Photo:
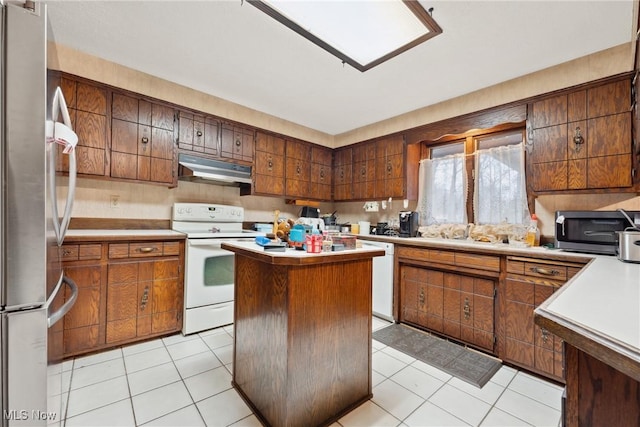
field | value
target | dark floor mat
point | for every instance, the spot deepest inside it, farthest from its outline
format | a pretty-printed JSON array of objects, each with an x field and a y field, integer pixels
[{"x": 468, "y": 365}]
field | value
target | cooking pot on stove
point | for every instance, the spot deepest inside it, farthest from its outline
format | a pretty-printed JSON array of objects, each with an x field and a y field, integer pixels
[{"x": 629, "y": 245}]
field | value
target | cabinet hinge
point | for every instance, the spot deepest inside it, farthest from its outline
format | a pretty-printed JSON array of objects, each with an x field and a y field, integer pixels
[{"x": 495, "y": 292}]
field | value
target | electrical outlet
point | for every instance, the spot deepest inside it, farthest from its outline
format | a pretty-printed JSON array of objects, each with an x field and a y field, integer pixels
[
  {"x": 114, "y": 201},
  {"x": 371, "y": 207}
]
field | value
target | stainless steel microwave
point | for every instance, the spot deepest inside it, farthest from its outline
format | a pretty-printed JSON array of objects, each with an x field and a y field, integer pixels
[{"x": 592, "y": 231}]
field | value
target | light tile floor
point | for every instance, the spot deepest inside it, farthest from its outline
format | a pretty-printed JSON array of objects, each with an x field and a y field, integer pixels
[{"x": 186, "y": 381}]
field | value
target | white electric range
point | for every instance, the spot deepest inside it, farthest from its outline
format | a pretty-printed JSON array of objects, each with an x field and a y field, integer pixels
[{"x": 209, "y": 269}]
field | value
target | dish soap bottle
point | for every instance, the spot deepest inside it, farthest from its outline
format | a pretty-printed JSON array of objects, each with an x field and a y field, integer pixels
[{"x": 533, "y": 233}]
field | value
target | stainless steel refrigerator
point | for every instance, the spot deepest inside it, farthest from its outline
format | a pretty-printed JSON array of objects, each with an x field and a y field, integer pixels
[{"x": 31, "y": 231}]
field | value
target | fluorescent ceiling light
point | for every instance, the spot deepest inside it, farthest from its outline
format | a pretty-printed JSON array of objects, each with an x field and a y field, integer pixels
[{"x": 362, "y": 33}]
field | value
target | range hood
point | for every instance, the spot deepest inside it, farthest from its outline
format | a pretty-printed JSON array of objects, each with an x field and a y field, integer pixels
[{"x": 201, "y": 169}]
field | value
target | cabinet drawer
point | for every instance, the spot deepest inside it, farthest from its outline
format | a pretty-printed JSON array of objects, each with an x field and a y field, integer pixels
[
  {"x": 413, "y": 253},
  {"x": 444, "y": 257},
  {"x": 458, "y": 259},
  {"x": 436, "y": 255},
  {"x": 81, "y": 252},
  {"x": 143, "y": 249},
  {"x": 547, "y": 271},
  {"x": 481, "y": 262},
  {"x": 539, "y": 270},
  {"x": 171, "y": 248},
  {"x": 119, "y": 250},
  {"x": 70, "y": 252}
]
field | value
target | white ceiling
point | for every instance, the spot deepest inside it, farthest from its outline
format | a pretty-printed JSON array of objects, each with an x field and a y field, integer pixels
[{"x": 235, "y": 52}]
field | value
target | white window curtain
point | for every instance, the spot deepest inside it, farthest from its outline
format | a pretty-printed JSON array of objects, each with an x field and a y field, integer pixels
[
  {"x": 442, "y": 190},
  {"x": 500, "y": 188}
]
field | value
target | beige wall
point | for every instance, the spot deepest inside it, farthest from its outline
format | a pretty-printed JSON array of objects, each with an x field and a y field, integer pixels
[
  {"x": 142, "y": 201},
  {"x": 148, "y": 201},
  {"x": 602, "y": 64}
]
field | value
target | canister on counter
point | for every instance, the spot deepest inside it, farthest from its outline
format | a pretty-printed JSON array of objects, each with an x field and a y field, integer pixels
[{"x": 355, "y": 228}]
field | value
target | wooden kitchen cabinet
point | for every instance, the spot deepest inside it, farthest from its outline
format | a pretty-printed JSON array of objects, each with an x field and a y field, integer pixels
[
  {"x": 198, "y": 133},
  {"x": 321, "y": 173},
  {"x": 582, "y": 139},
  {"x": 447, "y": 292},
  {"x": 128, "y": 291},
  {"x": 142, "y": 140},
  {"x": 87, "y": 105},
  {"x": 269, "y": 165},
  {"x": 528, "y": 283},
  {"x": 144, "y": 290},
  {"x": 237, "y": 143},
  {"x": 343, "y": 174},
  {"x": 364, "y": 171},
  {"x": 83, "y": 328},
  {"x": 389, "y": 168},
  {"x": 297, "y": 169}
]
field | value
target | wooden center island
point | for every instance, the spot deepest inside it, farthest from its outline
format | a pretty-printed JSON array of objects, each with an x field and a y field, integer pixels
[{"x": 302, "y": 341}]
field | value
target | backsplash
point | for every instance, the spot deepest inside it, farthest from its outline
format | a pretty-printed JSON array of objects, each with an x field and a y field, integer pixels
[{"x": 93, "y": 200}]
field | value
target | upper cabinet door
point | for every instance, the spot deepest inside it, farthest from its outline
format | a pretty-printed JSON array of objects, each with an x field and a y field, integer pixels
[
  {"x": 582, "y": 140},
  {"x": 269, "y": 165},
  {"x": 343, "y": 174},
  {"x": 236, "y": 143},
  {"x": 87, "y": 104},
  {"x": 321, "y": 172},
  {"x": 298, "y": 169},
  {"x": 142, "y": 140}
]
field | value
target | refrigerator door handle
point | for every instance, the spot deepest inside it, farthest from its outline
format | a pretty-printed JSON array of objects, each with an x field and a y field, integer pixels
[
  {"x": 71, "y": 191},
  {"x": 59, "y": 314},
  {"x": 63, "y": 134}
]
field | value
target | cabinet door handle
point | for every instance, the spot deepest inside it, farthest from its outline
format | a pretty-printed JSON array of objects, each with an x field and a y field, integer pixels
[
  {"x": 421, "y": 298},
  {"x": 66, "y": 252},
  {"x": 321, "y": 173},
  {"x": 238, "y": 143},
  {"x": 199, "y": 133},
  {"x": 363, "y": 171},
  {"x": 545, "y": 271},
  {"x": 467, "y": 309},
  {"x": 389, "y": 167},
  {"x": 145, "y": 140},
  {"x": 578, "y": 140},
  {"x": 270, "y": 164},
  {"x": 145, "y": 298},
  {"x": 147, "y": 250},
  {"x": 341, "y": 173},
  {"x": 545, "y": 335},
  {"x": 298, "y": 169}
]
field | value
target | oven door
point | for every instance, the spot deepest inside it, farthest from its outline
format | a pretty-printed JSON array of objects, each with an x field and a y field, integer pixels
[{"x": 209, "y": 272}]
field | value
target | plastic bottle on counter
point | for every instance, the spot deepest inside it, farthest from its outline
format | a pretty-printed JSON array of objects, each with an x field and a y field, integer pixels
[{"x": 533, "y": 233}]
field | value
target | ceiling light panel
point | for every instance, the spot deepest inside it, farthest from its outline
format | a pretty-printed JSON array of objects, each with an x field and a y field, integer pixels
[{"x": 363, "y": 33}]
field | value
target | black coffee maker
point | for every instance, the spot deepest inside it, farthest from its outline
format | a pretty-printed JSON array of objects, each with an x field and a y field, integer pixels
[{"x": 408, "y": 224}]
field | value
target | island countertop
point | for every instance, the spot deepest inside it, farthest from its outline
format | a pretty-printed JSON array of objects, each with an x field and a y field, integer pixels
[
  {"x": 297, "y": 257},
  {"x": 598, "y": 311}
]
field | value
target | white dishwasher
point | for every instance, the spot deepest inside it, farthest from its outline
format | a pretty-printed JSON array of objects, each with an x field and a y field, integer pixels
[{"x": 383, "y": 281}]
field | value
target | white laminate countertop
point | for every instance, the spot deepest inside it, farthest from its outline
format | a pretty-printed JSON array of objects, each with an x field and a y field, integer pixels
[
  {"x": 121, "y": 233},
  {"x": 601, "y": 303},
  {"x": 296, "y": 253}
]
